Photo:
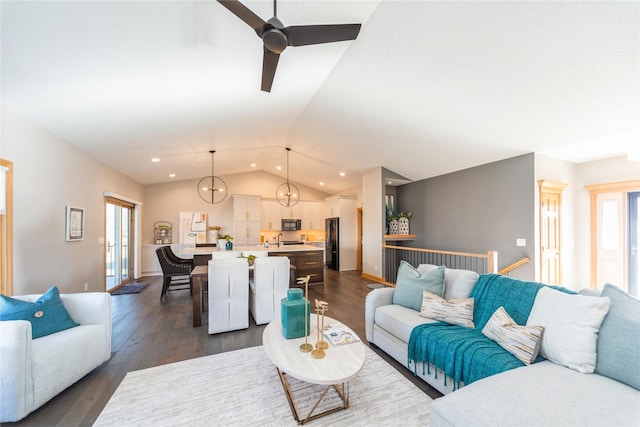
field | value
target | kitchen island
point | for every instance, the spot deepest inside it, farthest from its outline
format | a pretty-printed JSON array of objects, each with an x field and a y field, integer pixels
[{"x": 307, "y": 259}]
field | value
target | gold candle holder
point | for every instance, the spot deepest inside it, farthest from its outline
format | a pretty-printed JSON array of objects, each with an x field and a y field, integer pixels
[
  {"x": 306, "y": 347},
  {"x": 318, "y": 353},
  {"x": 322, "y": 344}
]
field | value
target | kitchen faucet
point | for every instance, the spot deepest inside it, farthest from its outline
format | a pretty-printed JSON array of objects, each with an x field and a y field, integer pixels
[{"x": 279, "y": 236}]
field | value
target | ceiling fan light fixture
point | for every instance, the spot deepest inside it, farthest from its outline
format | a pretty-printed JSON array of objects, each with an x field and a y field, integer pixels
[
  {"x": 212, "y": 189},
  {"x": 287, "y": 193}
]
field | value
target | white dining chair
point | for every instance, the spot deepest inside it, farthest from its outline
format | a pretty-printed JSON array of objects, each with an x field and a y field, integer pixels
[
  {"x": 268, "y": 287},
  {"x": 228, "y": 295}
]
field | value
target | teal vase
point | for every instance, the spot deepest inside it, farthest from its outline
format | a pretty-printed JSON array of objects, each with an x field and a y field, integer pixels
[
  {"x": 293, "y": 319},
  {"x": 229, "y": 246}
]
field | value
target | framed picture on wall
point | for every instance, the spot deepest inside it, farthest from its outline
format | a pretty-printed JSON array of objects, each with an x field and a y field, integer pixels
[{"x": 74, "y": 224}]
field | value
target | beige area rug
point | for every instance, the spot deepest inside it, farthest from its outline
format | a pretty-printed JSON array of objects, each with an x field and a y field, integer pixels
[{"x": 242, "y": 388}]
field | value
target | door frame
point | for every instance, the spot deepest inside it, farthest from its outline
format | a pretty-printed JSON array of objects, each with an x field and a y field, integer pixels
[
  {"x": 110, "y": 199},
  {"x": 613, "y": 187}
]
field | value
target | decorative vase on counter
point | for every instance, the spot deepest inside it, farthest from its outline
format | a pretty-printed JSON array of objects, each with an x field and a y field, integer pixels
[
  {"x": 222, "y": 244},
  {"x": 229, "y": 245},
  {"x": 393, "y": 226},
  {"x": 403, "y": 226}
]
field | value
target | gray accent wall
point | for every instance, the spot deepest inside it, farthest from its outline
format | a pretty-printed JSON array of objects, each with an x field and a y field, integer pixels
[{"x": 476, "y": 210}]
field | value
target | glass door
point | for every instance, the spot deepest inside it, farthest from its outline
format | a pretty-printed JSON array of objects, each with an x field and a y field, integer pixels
[{"x": 119, "y": 242}]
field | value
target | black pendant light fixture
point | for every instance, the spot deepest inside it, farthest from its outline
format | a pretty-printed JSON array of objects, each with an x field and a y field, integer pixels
[
  {"x": 212, "y": 189},
  {"x": 287, "y": 193}
]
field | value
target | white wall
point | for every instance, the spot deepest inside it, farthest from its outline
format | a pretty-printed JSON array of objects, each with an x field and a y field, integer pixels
[
  {"x": 372, "y": 222},
  {"x": 50, "y": 174}
]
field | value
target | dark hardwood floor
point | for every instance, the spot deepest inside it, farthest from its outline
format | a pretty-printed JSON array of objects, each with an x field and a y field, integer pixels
[{"x": 148, "y": 332}]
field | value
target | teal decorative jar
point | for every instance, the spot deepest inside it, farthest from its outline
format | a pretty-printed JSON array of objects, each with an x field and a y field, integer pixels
[{"x": 293, "y": 314}]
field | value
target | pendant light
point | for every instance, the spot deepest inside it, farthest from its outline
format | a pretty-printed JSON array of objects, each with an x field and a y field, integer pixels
[
  {"x": 287, "y": 193},
  {"x": 212, "y": 189}
]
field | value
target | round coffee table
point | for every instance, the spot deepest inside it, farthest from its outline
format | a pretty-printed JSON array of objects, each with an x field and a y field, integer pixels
[{"x": 340, "y": 364}]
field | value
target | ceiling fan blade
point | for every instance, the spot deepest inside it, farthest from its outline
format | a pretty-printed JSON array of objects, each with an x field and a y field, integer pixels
[
  {"x": 269, "y": 64},
  {"x": 315, "y": 34},
  {"x": 244, "y": 13}
]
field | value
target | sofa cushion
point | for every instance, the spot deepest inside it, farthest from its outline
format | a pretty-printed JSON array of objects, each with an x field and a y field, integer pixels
[
  {"x": 410, "y": 283},
  {"x": 619, "y": 338},
  {"x": 399, "y": 320},
  {"x": 571, "y": 324},
  {"x": 47, "y": 315},
  {"x": 456, "y": 311},
  {"x": 542, "y": 394},
  {"x": 521, "y": 341},
  {"x": 458, "y": 283}
]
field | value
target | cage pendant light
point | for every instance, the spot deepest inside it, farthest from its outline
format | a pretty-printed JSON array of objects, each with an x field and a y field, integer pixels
[
  {"x": 212, "y": 189},
  {"x": 287, "y": 193}
]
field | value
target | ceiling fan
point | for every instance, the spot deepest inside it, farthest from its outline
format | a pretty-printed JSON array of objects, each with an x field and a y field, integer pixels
[{"x": 276, "y": 37}]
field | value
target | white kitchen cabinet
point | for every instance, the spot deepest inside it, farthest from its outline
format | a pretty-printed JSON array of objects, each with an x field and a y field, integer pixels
[
  {"x": 246, "y": 207},
  {"x": 270, "y": 215},
  {"x": 246, "y": 220},
  {"x": 293, "y": 212},
  {"x": 312, "y": 215}
]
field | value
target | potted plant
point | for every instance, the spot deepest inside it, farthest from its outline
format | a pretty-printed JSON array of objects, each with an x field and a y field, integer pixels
[{"x": 214, "y": 233}]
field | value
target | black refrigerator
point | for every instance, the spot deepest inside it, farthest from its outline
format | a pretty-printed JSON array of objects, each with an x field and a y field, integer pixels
[{"x": 332, "y": 243}]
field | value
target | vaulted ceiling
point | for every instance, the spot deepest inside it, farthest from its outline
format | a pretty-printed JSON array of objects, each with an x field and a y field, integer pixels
[{"x": 427, "y": 88}]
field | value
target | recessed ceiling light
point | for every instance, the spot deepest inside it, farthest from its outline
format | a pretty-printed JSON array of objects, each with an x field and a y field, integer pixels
[
  {"x": 342, "y": 174},
  {"x": 390, "y": 182},
  {"x": 279, "y": 168},
  {"x": 253, "y": 165},
  {"x": 155, "y": 160},
  {"x": 321, "y": 183},
  {"x": 172, "y": 175}
]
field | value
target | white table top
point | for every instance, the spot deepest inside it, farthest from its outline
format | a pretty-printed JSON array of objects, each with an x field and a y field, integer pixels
[{"x": 339, "y": 364}]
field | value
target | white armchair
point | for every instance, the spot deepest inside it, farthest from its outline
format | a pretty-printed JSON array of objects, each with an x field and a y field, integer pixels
[
  {"x": 228, "y": 295},
  {"x": 32, "y": 371},
  {"x": 268, "y": 286}
]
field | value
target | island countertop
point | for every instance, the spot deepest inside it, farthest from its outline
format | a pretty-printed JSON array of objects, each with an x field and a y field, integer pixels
[{"x": 205, "y": 250}]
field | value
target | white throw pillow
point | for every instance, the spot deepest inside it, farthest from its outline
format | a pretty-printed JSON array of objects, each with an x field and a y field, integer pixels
[
  {"x": 521, "y": 341},
  {"x": 571, "y": 324},
  {"x": 457, "y": 312}
]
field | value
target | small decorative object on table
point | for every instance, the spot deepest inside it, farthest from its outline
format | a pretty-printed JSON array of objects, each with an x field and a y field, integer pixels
[
  {"x": 306, "y": 347},
  {"x": 321, "y": 345},
  {"x": 295, "y": 315}
]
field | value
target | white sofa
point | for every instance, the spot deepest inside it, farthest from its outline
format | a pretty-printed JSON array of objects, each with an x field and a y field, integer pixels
[
  {"x": 32, "y": 371},
  {"x": 542, "y": 393}
]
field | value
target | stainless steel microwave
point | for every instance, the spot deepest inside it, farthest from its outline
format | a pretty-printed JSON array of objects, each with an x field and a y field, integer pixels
[{"x": 291, "y": 224}]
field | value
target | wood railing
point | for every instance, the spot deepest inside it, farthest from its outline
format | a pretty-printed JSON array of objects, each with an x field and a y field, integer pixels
[
  {"x": 480, "y": 263},
  {"x": 508, "y": 269}
]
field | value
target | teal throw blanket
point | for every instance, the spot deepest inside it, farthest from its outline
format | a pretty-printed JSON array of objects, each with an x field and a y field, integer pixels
[{"x": 465, "y": 354}]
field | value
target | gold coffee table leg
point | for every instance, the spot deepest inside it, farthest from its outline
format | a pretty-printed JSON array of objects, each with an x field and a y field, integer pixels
[{"x": 341, "y": 389}]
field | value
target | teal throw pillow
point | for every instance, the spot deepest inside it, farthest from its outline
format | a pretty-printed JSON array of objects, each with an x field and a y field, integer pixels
[
  {"x": 618, "y": 350},
  {"x": 47, "y": 315},
  {"x": 410, "y": 283}
]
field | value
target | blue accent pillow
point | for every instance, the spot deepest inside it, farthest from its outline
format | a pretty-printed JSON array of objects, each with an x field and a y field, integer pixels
[
  {"x": 47, "y": 315},
  {"x": 618, "y": 350},
  {"x": 410, "y": 283}
]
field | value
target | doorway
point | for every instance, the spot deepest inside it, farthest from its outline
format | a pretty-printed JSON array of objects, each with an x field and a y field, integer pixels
[
  {"x": 119, "y": 243},
  {"x": 550, "y": 226}
]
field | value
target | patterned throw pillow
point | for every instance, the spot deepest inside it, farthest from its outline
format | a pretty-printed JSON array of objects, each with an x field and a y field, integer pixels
[
  {"x": 456, "y": 311},
  {"x": 521, "y": 341}
]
